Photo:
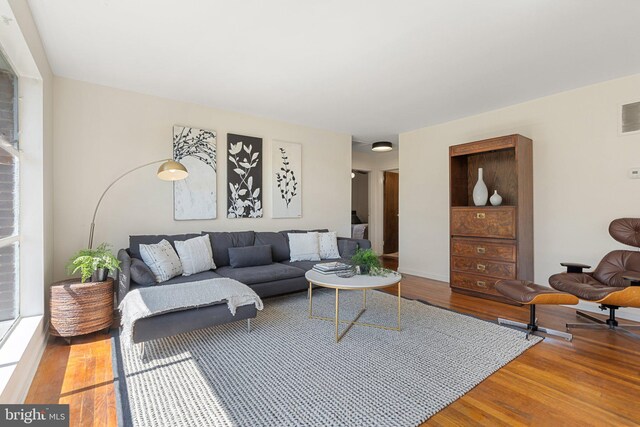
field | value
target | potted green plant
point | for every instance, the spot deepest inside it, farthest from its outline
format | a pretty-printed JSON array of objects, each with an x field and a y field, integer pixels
[
  {"x": 367, "y": 261},
  {"x": 94, "y": 264}
]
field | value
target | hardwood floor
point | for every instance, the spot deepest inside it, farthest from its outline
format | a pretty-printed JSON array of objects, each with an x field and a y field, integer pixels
[{"x": 594, "y": 380}]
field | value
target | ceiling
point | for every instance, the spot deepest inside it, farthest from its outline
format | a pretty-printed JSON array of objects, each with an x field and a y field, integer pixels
[{"x": 372, "y": 68}]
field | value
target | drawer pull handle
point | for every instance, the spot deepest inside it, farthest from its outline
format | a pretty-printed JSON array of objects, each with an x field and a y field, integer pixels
[
  {"x": 481, "y": 267},
  {"x": 480, "y": 250},
  {"x": 481, "y": 284},
  {"x": 480, "y": 215}
]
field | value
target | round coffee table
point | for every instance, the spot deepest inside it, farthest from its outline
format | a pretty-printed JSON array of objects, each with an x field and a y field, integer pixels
[{"x": 355, "y": 283}]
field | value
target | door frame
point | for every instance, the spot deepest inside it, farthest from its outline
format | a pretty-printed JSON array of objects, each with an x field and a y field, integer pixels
[{"x": 394, "y": 170}]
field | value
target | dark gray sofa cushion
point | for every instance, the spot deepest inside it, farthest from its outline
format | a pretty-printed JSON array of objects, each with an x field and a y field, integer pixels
[
  {"x": 347, "y": 248},
  {"x": 278, "y": 241},
  {"x": 204, "y": 275},
  {"x": 222, "y": 241},
  {"x": 250, "y": 256},
  {"x": 261, "y": 273},
  {"x": 141, "y": 273},
  {"x": 280, "y": 287},
  {"x": 136, "y": 241}
]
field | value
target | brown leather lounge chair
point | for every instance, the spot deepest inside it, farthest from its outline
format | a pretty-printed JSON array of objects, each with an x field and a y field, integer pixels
[{"x": 613, "y": 284}]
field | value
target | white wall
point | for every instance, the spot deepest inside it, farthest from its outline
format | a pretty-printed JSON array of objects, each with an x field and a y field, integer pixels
[
  {"x": 101, "y": 132},
  {"x": 580, "y": 177},
  {"x": 375, "y": 164}
]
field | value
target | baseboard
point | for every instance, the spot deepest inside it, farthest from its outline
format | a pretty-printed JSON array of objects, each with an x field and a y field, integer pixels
[
  {"x": 623, "y": 313},
  {"x": 424, "y": 274}
]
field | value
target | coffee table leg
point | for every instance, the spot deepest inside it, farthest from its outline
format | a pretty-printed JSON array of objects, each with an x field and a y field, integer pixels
[
  {"x": 310, "y": 300},
  {"x": 337, "y": 313},
  {"x": 399, "y": 300},
  {"x": 364, "y": 299}
]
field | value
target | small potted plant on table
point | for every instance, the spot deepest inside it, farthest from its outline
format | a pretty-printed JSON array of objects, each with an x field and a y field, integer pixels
[{"x": 368, "y": 262}]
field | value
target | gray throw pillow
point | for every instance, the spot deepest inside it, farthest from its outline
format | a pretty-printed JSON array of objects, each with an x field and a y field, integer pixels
[
  {"x": 250, "y": 256},
  {"x": 141, "y": 273}
]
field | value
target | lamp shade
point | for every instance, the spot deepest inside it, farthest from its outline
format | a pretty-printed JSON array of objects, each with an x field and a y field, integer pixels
[
  {"x": 382, "y": 146},
  {"x": 172, "y": 171}
]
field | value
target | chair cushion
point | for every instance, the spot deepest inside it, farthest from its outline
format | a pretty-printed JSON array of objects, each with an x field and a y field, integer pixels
[
  {"x": 222, "y": 241},
  {"x": 526, "y": 292},
  {"x": 581, "y": 285},
  {"x": 626, "y": 230},
  {"x": 195, "y": 255},
  {"x": 150, "y": 239},
  {"x": 261, "y": 273},
  {"x": 278, "y": 241},
  {"x": 250, "y": 256},
  {"x": 616, "y": 264}
]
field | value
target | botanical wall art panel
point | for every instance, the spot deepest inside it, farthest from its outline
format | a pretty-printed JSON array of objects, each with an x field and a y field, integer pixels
[
  {"x": 195, "y": 196},
  {"x": 244, "y": 176},
  {"x": 286, "y": 161}
]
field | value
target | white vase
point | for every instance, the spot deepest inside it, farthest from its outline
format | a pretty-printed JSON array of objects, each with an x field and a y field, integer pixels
[
  {"x": 480, "y": 191},
  {"x": 496, "y": 199}
]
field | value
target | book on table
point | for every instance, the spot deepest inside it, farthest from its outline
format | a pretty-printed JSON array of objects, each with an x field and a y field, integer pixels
[{"x": 331, "y": 267}]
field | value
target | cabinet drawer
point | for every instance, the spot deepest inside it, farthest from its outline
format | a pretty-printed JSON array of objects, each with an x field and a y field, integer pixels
[
  {"x": 501, "y": 270},
  {"x": 483, "y": 249},
  {"x": 474, "y": 283},
  {"x": 497, "y": 222}
]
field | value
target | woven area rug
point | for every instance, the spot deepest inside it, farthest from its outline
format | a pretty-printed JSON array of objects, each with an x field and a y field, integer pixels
[{"x": 289, "y": 371}]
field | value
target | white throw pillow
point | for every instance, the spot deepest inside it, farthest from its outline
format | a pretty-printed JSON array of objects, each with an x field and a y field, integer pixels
[
  {"x": 328, "y": 244},
  {"x": 195, "y": 254},
  {"x": 304, "y": 246},
  {"x": 162, "y": 260}
]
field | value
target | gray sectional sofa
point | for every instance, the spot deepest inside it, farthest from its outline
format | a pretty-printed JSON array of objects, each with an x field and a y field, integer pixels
[{"x": 279, "y": 277}]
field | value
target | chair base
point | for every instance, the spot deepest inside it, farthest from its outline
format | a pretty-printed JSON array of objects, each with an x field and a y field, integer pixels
[
  {"x": 610, "y": 323},
  {"x": 530, "y": 329}
]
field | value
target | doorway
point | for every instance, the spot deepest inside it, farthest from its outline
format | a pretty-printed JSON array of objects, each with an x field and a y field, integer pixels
[
  {"x": 390, "y": 213},
  {"x": 360, "y": 204}
]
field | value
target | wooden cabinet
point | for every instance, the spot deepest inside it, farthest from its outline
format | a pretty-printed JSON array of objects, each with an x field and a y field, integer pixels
[{"x": 491, "y": 243}]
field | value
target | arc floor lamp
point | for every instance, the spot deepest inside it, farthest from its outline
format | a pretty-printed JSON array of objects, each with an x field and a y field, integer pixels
[{"x": 169, "y": 170}]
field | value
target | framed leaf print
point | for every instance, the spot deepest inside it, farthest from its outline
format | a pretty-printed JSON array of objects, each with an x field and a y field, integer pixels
[
  {"x": 286, "y": 179},
  {"x": 244, "y": 176},
  {"x": 195, "y": 196}
]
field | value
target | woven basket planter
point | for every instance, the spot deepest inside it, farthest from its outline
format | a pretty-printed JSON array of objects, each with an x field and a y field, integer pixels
[{"x": 80, "y": 308}]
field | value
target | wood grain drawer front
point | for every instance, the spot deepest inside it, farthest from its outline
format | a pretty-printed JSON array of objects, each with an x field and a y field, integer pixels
[
  {"x": 474, "y": 283},
  {"x": 487, "y": 250},
  {"x": 502, "y": 270},
  {"x": 484, "y": 222}
]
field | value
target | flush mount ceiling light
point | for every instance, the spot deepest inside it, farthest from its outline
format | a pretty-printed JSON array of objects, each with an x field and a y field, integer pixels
[{"x": 382, "y": 146}]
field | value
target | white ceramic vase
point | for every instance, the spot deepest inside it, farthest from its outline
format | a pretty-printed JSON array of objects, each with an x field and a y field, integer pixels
[
  {"x": 480, "y": 191},
  {"x": 496, "y": 199}
]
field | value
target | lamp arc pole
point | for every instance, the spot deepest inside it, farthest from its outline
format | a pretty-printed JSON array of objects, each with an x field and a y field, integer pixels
[{"x": 95, "y": 211}]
